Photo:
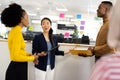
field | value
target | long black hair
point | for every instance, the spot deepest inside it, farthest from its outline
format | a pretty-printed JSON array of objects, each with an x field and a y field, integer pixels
[{"x": 50, "y": 31}]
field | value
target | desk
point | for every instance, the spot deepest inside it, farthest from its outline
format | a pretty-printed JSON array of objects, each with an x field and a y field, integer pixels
[
  {"x": 68, "y": 67},
  {"x": 73, "y": 67}
]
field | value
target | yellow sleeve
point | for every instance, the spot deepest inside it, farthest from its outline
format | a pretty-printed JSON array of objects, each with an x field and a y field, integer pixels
[{"x": 18, "y": 52}]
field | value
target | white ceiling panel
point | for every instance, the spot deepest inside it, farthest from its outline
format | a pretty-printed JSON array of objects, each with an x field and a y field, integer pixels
[{"x": 41, "y": 7}]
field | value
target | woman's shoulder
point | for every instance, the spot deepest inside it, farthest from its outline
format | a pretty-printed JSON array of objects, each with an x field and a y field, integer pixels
[
  {"x": 54, "y": 37},
  {"x": 38, "y": 35}
]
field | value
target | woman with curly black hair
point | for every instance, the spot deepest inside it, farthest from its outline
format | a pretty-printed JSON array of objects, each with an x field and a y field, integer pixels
[{"x": 16, "y": 18}]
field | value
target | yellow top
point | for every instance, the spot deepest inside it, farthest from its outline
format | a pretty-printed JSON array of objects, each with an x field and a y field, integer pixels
[{"x": 17, "y": 46}]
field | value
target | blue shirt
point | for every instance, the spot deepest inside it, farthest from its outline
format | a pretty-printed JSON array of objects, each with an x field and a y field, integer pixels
[{"x": 49, "y": 47}]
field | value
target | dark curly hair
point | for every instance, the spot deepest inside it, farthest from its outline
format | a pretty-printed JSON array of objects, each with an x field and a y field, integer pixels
[{"x": 11, "y": 16}]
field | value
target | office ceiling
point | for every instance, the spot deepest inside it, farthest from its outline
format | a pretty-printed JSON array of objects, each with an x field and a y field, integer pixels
[{"x": 45, "y": 7}]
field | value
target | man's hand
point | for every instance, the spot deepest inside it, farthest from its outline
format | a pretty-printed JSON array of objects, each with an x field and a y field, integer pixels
[{"x": 92, "y": 49}]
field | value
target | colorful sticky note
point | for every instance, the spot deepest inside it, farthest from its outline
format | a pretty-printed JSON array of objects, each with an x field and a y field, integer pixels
[
  {"x": 30, "y": 28},
  {"x": 81, "y": 27},
  {"x": 78, "y": 16},
  {"x": 61, "y": 15},
  {"x": 66, "y": 35},
  {"x": 82, "y": 22},
  {"x": 81, "y": 32}
]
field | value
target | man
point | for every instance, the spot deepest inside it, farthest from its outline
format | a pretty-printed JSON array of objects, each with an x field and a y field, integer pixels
[
  {"x": 101, "y": 48},
  {"x": 108, "y": 67}
]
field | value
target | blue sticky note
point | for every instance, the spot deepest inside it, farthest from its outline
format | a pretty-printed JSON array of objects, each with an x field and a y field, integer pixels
[{"x": 78, "y": 16}]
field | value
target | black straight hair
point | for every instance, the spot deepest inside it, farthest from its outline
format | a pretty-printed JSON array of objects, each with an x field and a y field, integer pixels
[{"x": 50, "y": 31}]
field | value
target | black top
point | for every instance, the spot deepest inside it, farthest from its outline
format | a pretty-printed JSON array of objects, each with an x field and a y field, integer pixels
[{"x": 39, "y": 44}]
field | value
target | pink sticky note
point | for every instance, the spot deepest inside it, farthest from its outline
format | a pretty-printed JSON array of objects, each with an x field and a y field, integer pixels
[
  {"x": 66, "y": 35},
  {"x": 61, "y": 15}
]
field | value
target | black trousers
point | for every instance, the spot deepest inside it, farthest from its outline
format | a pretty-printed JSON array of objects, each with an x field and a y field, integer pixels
[{"x": 16, "y": 71}]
